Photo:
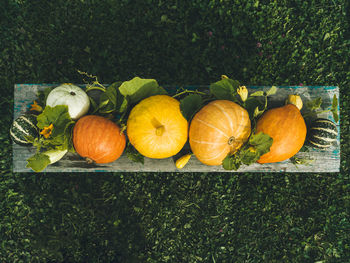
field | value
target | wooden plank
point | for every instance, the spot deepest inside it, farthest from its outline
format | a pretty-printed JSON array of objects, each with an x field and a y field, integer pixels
[{"x": 327, "y": 160}]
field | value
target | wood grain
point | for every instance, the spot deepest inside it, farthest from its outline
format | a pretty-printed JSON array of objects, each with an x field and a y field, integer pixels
[{"x": 327, "y": 160}]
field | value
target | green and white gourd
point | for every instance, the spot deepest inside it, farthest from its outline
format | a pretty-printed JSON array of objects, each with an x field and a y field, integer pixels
[
  {"x": 322, "y": 133},
  {"x": 24, "y": 130}
]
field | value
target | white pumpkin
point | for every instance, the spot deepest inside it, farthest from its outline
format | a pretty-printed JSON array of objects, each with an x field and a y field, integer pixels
[{"x": 75, "y": 98}]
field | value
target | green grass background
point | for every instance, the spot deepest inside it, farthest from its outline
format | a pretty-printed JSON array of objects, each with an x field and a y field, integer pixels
[{"x": 175, "y": 217}]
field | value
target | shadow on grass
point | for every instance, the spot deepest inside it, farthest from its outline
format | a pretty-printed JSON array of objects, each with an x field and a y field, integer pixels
[{"x": 81, "y": 217}]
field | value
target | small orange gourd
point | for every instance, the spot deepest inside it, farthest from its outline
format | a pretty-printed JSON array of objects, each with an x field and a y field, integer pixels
[
  {"x": 219, "y": 128},
  {"x": 98, "y": 139},
  {"x": 286, "y": 126}
]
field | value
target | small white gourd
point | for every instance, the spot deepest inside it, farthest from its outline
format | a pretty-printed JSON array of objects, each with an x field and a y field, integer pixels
[{"x": 75, "y": 98}]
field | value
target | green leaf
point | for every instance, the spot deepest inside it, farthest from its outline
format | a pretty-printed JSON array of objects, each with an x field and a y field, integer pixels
[
  {"x": 335, "y": 102},
  {"x": 314, "y": 104},
  {"x": 138, "y": 89},
  {"x": 94, "y": 106},
  {"x": 258, "y": 93},
  {"x": 251, "y": 104},
  {"x": 225, "y": 89},
  {"x": 261, "y": 142},
  {"x": 123, "y": 106},
  {"x": 133, "y": 154},
  {"x": 248, "y": 155},
  {"x": 38, "y": 162},
  {"x": 108, "y": 100},
  {"x": 190, "y": 105},
  {"x": 61, "y": 136},
  {"x": 68, "y": 144},
  {"x": 326, "y": 36},
  {"x": 231, "y": 162},
  {"x": 257, "y": 145},
  {"x": 58, "y": 116},
  {"x": 335, "y": 115},
  {"x": 271, "y": 91},
  {"x": 257, "y": 112}
]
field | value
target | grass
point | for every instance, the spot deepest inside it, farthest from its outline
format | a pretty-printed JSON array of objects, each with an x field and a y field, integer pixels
[{"x": 175, "y": 217}]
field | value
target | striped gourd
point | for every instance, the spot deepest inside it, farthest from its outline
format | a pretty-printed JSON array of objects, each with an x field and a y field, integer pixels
[
  {"x": 322, "y": 133},
  {"x": 24, "y": 129}
]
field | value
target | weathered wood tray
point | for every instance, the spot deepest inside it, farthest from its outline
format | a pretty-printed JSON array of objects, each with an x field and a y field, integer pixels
[{"x": 323, "y": 160}]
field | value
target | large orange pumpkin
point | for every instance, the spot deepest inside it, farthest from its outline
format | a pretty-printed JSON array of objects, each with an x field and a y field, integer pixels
[
  {"x": 98, "y": 139},
  {"x": 219, "y": 128},
  {"x": 156, "y": 127},
  {"x": 286, "y": 126}
]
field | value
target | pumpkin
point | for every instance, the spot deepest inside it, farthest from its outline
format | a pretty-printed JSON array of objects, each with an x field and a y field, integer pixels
[
  {"x": 286, "y": 126},
  {"x": 75, "y": 98},
  {"x": 98, "y": 139},
  {"x": 218, "y": 129},
  {"x": 322, "y": 133},
  {"x": 156, "y": 127},
  {"x": 24, "y": 130}
]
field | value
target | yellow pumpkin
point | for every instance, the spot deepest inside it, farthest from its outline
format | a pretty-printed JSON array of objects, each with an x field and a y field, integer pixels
[
  {"x": 286, "y": 126},
  {"x": 156, "y": 127},
  {"x": 219, "y": 128}
]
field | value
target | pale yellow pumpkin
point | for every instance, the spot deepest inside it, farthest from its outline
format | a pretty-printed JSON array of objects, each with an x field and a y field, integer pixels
[
  {"x": 219, "y": 128},
  {"x": 157, "y": 128}
]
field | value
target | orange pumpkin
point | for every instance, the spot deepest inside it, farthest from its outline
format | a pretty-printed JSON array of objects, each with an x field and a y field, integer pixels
[
  {"x": 98, "y": 139},
  {"x": 219, "y": 128},
  {"x": 286, "y": 126}
]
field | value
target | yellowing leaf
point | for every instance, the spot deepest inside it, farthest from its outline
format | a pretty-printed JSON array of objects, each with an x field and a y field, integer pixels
[
  {"x": 257, "y": 112},
  {"x": 271, "y": 91},
  {"x": 257, "y": 93}
]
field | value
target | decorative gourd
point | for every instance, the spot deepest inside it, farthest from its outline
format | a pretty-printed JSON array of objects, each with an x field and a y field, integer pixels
[
  {"x": 98, "y": 139},
  {"x": 219, "y": 128},
  {"x": 24, "y": 129},
  {"x": 156, "y": 127},
  {"x": 322, "y": 133},
  {"x": 182, "y": 161},
  {"x": 286, "y": 126},
  {"x": 75, "y": 98}
]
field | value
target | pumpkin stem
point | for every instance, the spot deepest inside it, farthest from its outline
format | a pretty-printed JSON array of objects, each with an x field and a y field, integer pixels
[
  {"x": 159, "y": 127},
  {"x": 160, "y": 130},
  {"x": 231, "y": 140},
  {"x": 72, "y": 93},
  {"x": 89, "y": 160}
]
